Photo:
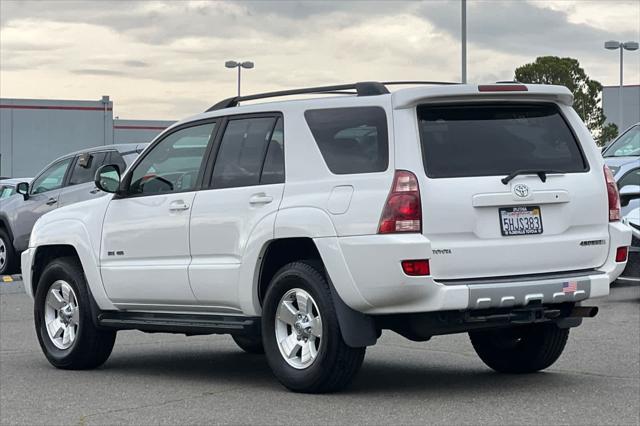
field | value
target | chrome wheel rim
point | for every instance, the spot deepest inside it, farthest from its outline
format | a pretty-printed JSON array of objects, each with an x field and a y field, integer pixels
[
  {"x": 298, "y": 328},
  {"x": 3, "y": 254},
  {"x": 61, "y": 314}
]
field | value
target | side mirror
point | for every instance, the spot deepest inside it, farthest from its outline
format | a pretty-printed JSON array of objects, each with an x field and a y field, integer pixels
[
  {"x": 628, "y": 193},
  {"x": 23, "y": 189},
  {"x": 108, "y": 178}
]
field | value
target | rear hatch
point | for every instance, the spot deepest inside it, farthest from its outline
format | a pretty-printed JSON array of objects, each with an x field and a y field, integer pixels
[{"x": 551, "y": 217}]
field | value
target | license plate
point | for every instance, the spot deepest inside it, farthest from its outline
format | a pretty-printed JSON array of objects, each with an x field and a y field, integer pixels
[{"x": 525, "y": 220}]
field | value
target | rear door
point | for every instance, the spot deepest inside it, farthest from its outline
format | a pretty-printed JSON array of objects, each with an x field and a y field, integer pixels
[
  {"x": 246, "y": 189},
  {"x": 483, "y": 225},
  {"x": 81, "y": 186}
]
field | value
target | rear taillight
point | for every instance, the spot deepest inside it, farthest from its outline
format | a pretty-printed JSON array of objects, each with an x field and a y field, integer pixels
[
  {"x": 402, "y": 211},
  {"x": 612, "y": 195}
]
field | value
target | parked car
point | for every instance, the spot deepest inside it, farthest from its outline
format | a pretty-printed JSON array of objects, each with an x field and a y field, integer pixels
[
  {"x": 623, "y": 158},
  {"x": 8, "y": 187},
  {"x": 304, "y": 228},
  {"x": 632, "y": 219},
  {"x": 67, "y": 180}
]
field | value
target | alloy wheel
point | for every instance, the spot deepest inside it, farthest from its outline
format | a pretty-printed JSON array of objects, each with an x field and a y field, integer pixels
[
  {"x": 298, "y": 328},
  {"x": 61, "y": 314}
]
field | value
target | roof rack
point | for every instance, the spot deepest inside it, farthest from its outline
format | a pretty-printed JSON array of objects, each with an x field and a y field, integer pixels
[{"x": 364, "y": 88}]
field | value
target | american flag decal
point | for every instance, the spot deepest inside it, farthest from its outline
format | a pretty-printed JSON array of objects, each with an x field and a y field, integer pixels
[{"x": 570, "y": 287}]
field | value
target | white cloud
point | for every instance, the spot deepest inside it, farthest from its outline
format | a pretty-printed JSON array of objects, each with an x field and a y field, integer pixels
[{"x": 165, "y": 59}]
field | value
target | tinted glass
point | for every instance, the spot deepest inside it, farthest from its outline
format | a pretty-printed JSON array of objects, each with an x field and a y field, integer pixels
[
  {"x": 242, "y": 152},
  {"x": 496, "y": 139},
  {"x": 6, "y": 191},
  {"x": 631, "y": 178},
  {"x": 273, "y": 169},
  {"x": 116, "y": 158},
  {"x": 627, "y": 145},
  {"x": 83, "y": 173},
  {"x": 174, "y": 163},
  {"x": 351, "y": 140},
  {"x": 52, "y": 178}
]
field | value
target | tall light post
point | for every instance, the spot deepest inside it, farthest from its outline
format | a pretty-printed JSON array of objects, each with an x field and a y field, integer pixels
[
  {"x": 463, "y": 27},
  {"x": 613, "y": 45},
  {"x": 239, "y": 65}
]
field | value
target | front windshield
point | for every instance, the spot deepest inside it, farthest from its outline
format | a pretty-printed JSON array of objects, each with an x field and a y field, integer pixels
[{"x": 627, "y": 145}]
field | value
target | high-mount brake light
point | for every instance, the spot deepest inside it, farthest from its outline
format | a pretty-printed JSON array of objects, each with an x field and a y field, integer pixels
[
  {"x": 612, "y": 195},
  {"x": 402, "y": 211},
  {"x": 502, "y": 88}
]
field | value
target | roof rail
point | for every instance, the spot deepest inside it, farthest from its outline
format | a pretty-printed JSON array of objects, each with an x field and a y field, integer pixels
[
  {"x": 408, "y": 82},
  {"x": 363, "y": 88}
]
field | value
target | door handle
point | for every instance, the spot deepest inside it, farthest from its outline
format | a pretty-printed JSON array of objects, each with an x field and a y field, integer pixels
[
  {"x": 51, "y": 201},
  {"x": 261, "y": 198},
  {"x": 178, "y": 206}
]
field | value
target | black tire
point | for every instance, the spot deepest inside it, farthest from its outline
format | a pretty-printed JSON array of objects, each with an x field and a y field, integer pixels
[
  {"x": 249, "y": 344},
  {"x": 9, "y": 261},
  {"x": 337, "y": 363},
  {"x": 520, "y": 350},
  {"x": 92, "y": 346}
]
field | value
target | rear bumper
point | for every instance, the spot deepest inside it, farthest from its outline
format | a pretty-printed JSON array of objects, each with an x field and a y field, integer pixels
[{"x": 366, "y": 272}]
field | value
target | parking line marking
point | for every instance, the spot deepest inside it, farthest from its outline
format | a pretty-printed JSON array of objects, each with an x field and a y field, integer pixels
[{"x": 7, "y": 279}]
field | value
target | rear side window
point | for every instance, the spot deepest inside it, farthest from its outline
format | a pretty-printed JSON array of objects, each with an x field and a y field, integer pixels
[
  {"x": 116, "y": 158},
  {"x": 496, "y": 139},
  {"x": 351, "y": 140},
  {"x": 242, "y": 152},
  {"x": 85, "y": 167}
]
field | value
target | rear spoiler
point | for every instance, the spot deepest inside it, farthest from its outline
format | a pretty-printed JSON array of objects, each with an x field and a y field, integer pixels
[{"x": 409, "y": 98}]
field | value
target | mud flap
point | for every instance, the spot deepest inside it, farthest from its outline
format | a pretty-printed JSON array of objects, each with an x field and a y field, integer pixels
[{"x": 358, "y": 330}]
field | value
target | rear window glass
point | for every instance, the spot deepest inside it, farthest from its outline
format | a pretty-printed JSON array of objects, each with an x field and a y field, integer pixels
[
  {"x": 351, "y": 140},
  {"x": 496, "y": 139}
]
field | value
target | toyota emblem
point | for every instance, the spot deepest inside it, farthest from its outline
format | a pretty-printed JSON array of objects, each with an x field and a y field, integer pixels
[{"x": 521, "y": 190}]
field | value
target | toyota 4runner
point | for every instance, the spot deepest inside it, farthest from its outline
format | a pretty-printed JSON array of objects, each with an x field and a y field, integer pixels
[{"x": 304, "y": 228}]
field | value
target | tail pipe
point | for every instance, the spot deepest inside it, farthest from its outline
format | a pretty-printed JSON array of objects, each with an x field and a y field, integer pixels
[{"x": 584, "y": 311}]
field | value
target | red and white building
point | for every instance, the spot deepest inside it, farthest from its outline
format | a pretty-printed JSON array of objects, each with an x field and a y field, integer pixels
[{"x": 34, "y": 132}]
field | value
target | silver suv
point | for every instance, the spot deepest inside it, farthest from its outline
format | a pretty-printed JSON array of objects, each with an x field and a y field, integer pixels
[{"x": 67, "y": 180}]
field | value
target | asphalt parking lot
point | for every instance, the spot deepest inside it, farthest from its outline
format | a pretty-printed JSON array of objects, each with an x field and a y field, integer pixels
[{"x": 172, "y": 379}]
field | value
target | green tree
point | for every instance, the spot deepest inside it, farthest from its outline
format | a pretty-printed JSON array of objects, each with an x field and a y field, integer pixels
[{"x": 587, "y": 93}]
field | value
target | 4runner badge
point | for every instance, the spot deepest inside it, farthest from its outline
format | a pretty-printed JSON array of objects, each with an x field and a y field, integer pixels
[{"x": 521, "y": 190}]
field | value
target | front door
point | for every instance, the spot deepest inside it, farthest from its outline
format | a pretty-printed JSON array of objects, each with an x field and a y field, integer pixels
[
  {"x": 44, "y": 193},
  {"x": 145, "y": 241}
]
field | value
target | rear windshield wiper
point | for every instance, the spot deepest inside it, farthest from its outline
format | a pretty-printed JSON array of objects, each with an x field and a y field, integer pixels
[{"x": 542, "y": 174}]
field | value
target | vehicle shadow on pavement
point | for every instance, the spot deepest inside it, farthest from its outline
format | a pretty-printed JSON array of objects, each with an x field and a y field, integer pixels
[{"x": 376, "y": 376}]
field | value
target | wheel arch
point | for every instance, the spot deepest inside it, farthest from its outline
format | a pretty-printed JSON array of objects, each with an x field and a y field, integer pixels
[{"x": 357, "y": 329}]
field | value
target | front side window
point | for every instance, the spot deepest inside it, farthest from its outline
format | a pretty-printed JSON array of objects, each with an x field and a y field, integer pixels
[
  {"x": 242, "y": 152},
  {"x": 627, "y": 145},
  {"x": 496, "y": 139},
  {"x": 351, "y": 140},
  {"x": 173, "y": 165},
  {"x": 52, "y": 178},
  {"x": 85, "y": 168}
]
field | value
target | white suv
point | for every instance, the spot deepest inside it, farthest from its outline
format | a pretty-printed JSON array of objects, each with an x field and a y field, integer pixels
[{"x": 304, "y": 228}]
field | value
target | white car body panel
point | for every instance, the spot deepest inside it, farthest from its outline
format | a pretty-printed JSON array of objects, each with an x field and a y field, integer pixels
[{"x": 208, "y": 258}]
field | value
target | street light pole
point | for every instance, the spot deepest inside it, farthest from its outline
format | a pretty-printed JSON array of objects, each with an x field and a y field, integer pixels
[
  {"x": 239, "y": 65},
  {"x": 613, "y": 45},
  {"x": 463, "y": 25}
]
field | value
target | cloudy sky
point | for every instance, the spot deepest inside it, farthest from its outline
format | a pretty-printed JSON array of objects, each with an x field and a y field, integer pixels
[{"x": 165, "y": 59}]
